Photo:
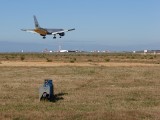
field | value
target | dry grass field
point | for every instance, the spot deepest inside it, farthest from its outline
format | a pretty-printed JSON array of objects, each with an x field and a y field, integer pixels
[{"x": 87, "y": 86}]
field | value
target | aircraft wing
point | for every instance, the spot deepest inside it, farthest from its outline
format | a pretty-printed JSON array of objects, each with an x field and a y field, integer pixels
[
  {"x": 29, "y": 30},
  {"x": 62, "y": 31}
]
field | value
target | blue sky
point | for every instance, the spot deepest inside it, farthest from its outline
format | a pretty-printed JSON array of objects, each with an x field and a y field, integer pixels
[{"x": 103, "y": 24}]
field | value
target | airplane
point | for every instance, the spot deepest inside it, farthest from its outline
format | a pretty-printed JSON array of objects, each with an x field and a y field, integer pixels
[{"x": 45, "y": 31}]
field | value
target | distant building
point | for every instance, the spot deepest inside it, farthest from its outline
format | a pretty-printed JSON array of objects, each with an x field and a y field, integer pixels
[
  {"x": 145, "y": 51},
  {"x": 63, "y": 51}
]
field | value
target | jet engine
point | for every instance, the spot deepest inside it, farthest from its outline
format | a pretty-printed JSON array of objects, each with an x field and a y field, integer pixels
[{"x": 62, "y": 34}]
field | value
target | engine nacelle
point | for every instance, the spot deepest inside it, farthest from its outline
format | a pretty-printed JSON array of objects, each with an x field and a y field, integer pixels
[
  {"x": 42, "y": 35},
  {"x": 62, "y": 34}
]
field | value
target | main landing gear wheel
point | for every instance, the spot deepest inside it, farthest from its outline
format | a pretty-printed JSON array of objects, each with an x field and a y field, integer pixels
[{"x": 44, "y": 37}]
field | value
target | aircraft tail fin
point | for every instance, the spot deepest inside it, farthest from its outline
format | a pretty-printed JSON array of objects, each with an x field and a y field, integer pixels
[{"x": 36, "y": 22}]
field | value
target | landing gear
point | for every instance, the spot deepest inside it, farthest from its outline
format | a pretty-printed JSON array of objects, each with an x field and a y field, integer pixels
[
  {"x": 54, "y": 37},
  {"x": 44, "y": 37}
]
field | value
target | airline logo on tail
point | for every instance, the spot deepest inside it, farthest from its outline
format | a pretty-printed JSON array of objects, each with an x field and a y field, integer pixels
[{"x": 36, "y": 22}]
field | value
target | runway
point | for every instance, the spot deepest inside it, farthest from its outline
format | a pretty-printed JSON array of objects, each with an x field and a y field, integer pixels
[{"x": 52, "y": 64}]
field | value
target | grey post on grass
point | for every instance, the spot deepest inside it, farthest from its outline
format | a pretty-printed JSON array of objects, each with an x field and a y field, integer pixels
[{"x": 46, "y": 91}]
